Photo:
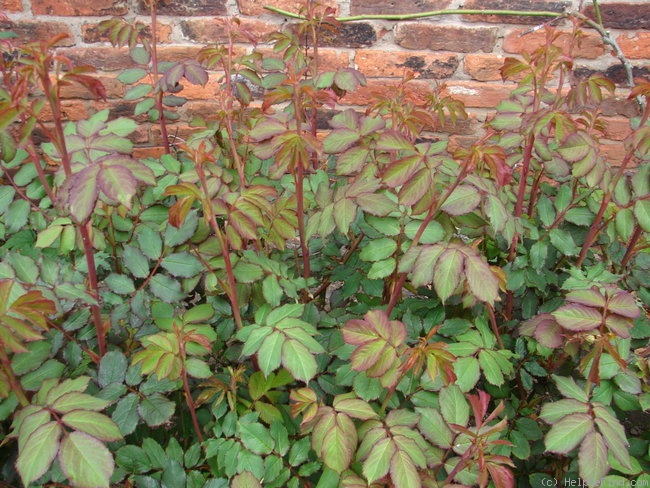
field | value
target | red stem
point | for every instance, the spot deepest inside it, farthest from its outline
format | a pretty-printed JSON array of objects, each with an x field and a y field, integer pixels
[{"x": 154, "y": 69}]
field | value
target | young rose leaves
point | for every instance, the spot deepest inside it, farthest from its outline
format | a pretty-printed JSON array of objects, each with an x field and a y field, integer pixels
[
  {"x": 379, "y": 344},
  {"x": 448, "y": 266},
  {"x": 76, "y": 438}
]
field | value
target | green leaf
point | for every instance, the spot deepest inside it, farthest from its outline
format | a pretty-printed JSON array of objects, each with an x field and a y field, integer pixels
[
  {"x": 578, "y": 317},
  {"x": 642, "y": 214},
  {"x": 554, "y": 411},
  {"x": 403, "y": 472},
  {"x": 126, "y": 414},
  {"x": 434, "y": 427},
  {"x": 130, "y": 76},
  {"x": 298, "y": 360},
  {"x": 377, "y": 463},
  {"x": 93, "y": 423},
  {"x": 482, "y": 282},
  {"x": 120, "y": 284},
  {"x": 256, "y": 438},
  {"x": 339, "y": 443},
  {"x": 135, "y": 261},
  {"x": 197, "y": 368},
  {"x": 85, "y": 460},
  {"x": 132, "y": 459},
  {"x": 150, "y": 242},
  {"x": 490, "y": 367},
  {"x": 245, "y": 480},
  {"x": 182, "y": 264},
  {"x": 156, "y": 410},
  {"x": 453, "y": 405},
  {"x": 48, "y": 236},
  {"x": 467, "y": 372},
  {"x": 463, "y": 200},
  {"x": 137, "y": 91},
  {"x": 272, "y": 290},
  {"x": 563, "y": 242},
  {"x": 269, "y": 355},
  {"x": 568, "y": 432},
  {"x": 447, "y": 273},
  {"x": 592, "y": 459},
  {"x": 38, "y": 452},
  {"x": 381, "y": 269},
  {"x": 624, "y": 222},
  {"x": 75, "y": 400},
  {"x": 378, "y": 249},
  {"x": 570, "y": 389},
  {"x": 166, "y": 288},
  {"x": 354, "y": 407}
]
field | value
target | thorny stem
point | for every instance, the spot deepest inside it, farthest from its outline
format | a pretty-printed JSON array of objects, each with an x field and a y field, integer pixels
[
  {"x": 52, "y": 94},
  {"x": 14, "y": 383},
  {"x": 433, "y": 212},
  {"x": 188, "y": 395},
  {"x": 629, "y": 252},
  {"x": 154, "y": 68},
  {"x": 225, "y": 249}
]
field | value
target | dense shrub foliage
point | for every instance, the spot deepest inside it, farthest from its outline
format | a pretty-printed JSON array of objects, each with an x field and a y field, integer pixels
[{"x": 270, "y": 304}]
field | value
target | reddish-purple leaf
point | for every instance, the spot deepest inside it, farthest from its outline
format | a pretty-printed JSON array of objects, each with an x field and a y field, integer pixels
[
  {"x": 501, "y": 475},
  {"x": 482, "y": 282},
  {"x": 578, "y": 317},
  {"x": 117, "y": 183},
  {"x": 357, "y": 332},
  {"x": 416, "y": 187},
  {"x": 619, "y": 325},
  {"x": 368, "y": 355},
  {"x": 401, "y": 171},
  {"x": 352, "y": 160},
  {"x": 81, "y": 192},
  {"x": 568, "y": 432},
  {"x": 425, "y": 264},
  {"x": 622, "y": 303},
  {"x": 393, "y": 141},
  {"x": 195, "y": 73}
]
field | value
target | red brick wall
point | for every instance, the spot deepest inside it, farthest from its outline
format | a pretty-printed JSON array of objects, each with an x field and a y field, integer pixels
[{"x": 465, "y": 52}]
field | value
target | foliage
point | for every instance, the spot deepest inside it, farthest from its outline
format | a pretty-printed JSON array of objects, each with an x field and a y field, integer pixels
[{"x": 270, "y": 304}]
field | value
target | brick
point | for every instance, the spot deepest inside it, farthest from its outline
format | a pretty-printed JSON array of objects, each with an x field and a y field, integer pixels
[
  {"x": 617, "y": 128},
  {"x": 377, "y": 90},
  {"x": 622, "y": 15},
  {"x": 350, "y": 35},
  {"x": 521, "y": 5},
  {"x": 521, "y": 41},
  {"x": 144, "y": 152},
  {"x": 445, "y": 38},
  {"x": 635, "y": 46},
  {"x": 11, "y": 6},
  {"x": 70, "y": 110},
  {"x": 256, "y": 7},
  {"x": 478, "y": 95},
  {"x": 30, "y": 30},
  {"x": 399, "y": 7},
  {"x": 114, "y": 88},
  {"x": 101, "y": 58},
  {"x": 185, "y": 7},
  {"x": 615, "y": 73},
  {"x": 614, "y": 153},
  {"x": 329, "y": 59},
  {"x": 79, "y": 7},
  {"x": 457, "y": 142},
  {"x": 90, "y": 33},
  {"x": 216, "y": 30},
  {"x": 483, "y": 67},
  {"x": 394, "y": 64}
]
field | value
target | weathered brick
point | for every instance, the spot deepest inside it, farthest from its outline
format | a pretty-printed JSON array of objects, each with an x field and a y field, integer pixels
[
  {"x": 622, "y": 15},
  {"x": 617, "y": 128},
  {"x": 419, "y": 89},
  {"x": 79, "y": 7},
  {"x": 256, "y": 7},
  {"x": 398, "y": 7},
  {"x": 393, "y": 64},
  {"x": 101, "y": 58},
  {"x": 615, "y": 73},
  {"x": 90, "y": 33},
  {"x": 483, "y": 67},
  {"x": 352, "y": 35},
  {"x": 445, "y": 38},
  {"x": 70, "y": 110},
  {"x": 185, "y": 7},
  {"x": 614, "y": 153},
  {"x": 30, "y": 30},
  {"x": 523, "y": 41},
  {"x": 478, "y": 95},
  {"x": 144, "y": 152},
  {"x": 521, "y": 5},
  {"x": 216, "y": 30},
  {"x": 114, "y": 88},
  {"x": 11, "y": 6},
  {"x": 635, "y": 45}
]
